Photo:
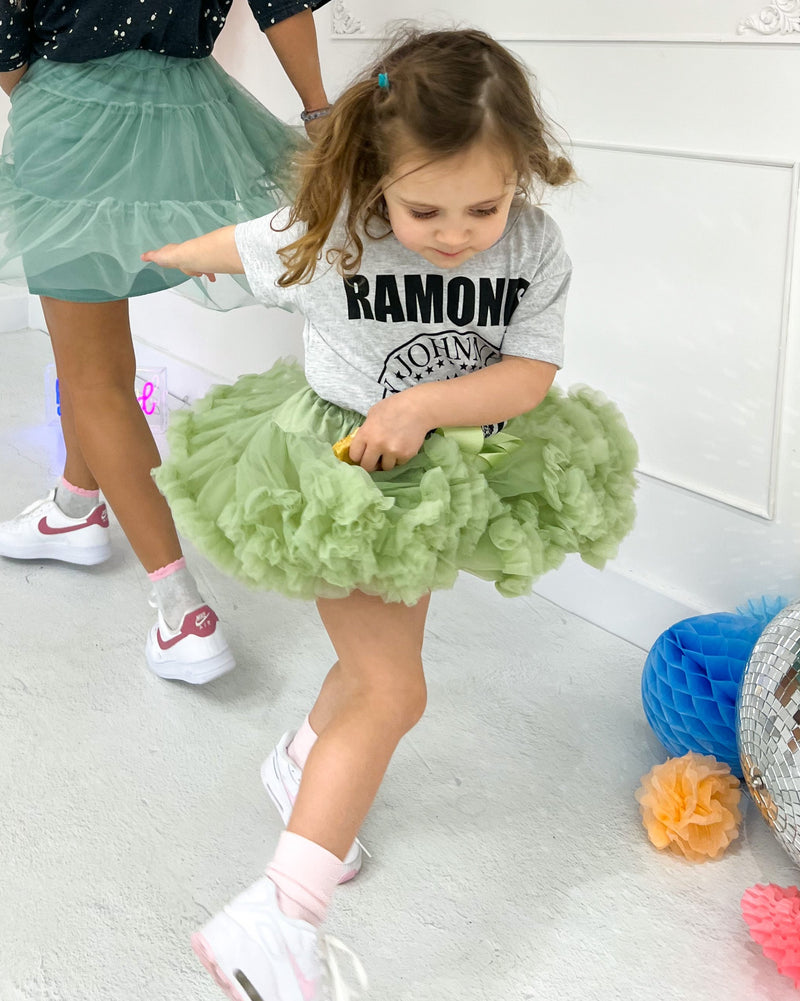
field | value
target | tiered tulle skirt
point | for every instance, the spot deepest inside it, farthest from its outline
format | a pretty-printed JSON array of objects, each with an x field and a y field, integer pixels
[
  {"x": 106, "y": 159},
  {"x": 253, "y": 482}
]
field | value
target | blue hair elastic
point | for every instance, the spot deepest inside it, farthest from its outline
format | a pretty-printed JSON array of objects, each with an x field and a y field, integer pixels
[{"x": 383, "y": 81}]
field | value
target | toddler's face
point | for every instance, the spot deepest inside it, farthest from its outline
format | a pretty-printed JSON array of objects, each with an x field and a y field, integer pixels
[{"x": 450, "y": 210}]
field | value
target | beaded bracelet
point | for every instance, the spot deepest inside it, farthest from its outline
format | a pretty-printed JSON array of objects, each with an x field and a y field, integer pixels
[{"x": 312, "y": 116}]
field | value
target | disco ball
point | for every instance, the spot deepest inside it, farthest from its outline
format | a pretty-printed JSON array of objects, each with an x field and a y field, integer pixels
[{"x": 768, "y": 726}]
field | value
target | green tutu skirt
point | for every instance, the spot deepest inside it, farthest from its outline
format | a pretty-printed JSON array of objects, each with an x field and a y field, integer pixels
[
  {"x": 253, "y": 482},
  {"x": 106, "y": 159}
]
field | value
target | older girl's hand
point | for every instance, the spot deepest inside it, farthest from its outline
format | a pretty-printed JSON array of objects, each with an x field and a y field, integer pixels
[
  {"x": 392, "y": 433},
  {"x": 10, "y": 79}
]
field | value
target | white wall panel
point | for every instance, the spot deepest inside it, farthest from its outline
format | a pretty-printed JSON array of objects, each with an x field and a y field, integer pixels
[
  {"x": 678, "y": 309},
  {"x": 736, "y": 100}
]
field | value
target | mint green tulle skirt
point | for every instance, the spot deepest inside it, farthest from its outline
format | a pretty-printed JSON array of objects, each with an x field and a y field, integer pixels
[
  {"x": 253, "y": 482},
  {"x": 106, "y": 159}
]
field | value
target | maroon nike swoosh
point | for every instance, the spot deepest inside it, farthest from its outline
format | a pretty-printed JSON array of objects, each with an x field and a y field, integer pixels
[
  {"x": 98, "y": 517},
  {"x": 203, "y": 624}
]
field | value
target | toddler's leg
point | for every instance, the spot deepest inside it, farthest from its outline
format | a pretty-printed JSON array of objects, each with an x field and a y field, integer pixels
[
  {"x": 282, "y": 772},
  {"x": 264, "y": 943},
  {"x": 378, "y": 695}
]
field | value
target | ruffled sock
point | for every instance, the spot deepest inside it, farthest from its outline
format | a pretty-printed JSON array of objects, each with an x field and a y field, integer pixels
[
  {"x": 75, "y": 502},
  {"x": 175, "y": 592},
  {"x": 306, "y": 874}
]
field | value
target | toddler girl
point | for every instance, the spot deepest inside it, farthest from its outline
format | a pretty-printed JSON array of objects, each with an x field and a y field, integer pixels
[{"x": 433, "y": 290}]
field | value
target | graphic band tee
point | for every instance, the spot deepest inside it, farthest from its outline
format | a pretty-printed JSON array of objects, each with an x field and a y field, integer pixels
[{"x": 401, "y": 321}]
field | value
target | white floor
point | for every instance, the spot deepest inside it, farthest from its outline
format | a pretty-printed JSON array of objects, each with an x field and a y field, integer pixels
[{"x": 508, "y": 862}]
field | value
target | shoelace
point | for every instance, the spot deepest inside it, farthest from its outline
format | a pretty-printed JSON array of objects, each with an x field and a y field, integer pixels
[
  {"x": 331, "y": 951},
  {"x": 36, "y": 503}
]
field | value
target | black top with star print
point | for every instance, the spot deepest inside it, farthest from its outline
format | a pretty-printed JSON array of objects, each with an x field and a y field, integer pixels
[{"x": 81, "y": 30}]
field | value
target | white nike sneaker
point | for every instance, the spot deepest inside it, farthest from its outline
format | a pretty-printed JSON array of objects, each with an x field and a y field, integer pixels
[
  {"x": 196, "y": 652},
  {"x": 281, "y": 778},
  {"x": 43, "y": 532},
  {"x": 255, "y": 953}
]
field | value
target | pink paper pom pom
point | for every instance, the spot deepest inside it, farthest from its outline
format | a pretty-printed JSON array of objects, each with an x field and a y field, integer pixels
[{"x": 773, "y": 916}]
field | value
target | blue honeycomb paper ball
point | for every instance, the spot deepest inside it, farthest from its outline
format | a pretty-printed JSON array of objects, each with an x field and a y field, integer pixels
[{"x": 691, "y": 679}]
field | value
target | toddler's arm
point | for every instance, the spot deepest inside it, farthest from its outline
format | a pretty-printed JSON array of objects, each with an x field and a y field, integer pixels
[
  {"x": 496, "y": 393},
  {"x": 214, "y": 253},
  {"x": 396, "y": 426}
]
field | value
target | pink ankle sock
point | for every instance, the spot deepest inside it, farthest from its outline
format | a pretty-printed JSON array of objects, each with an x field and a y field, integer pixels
[
  {"x": 169, "y": 569},
  {"x": 301, "y": 744},
  {"x": 306, "y": 874},
  {"x": 93, "y": 494}
]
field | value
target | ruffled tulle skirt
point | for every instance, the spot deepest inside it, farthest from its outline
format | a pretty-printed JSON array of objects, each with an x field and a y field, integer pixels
[
  {"x": 106, "y": 159},
  {"x": 252, "y": 480}
]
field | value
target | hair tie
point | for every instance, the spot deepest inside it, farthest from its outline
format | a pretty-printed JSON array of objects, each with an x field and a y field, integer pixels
[{"x": 383, "y": 81}]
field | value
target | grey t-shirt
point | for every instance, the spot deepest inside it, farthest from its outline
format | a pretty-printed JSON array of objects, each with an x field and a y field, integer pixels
[{"x": 401, "y": 320}]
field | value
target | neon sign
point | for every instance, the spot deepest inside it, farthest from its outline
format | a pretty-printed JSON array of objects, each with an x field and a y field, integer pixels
[
  {"x": 150, "y": 387},
  {"x": 148, "y": 391}
]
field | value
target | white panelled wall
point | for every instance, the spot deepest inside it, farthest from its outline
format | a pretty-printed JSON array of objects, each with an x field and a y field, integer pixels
[{"x": 682, "y": 124}]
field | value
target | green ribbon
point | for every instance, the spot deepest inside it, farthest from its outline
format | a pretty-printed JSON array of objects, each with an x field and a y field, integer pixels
[{"x": 472, "y": 441}]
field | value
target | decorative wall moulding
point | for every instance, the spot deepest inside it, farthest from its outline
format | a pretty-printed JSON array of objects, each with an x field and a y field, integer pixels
[
  {"x": 612, "y": 22},
  {"x": 343, "y": 23},
  {"x": 782, "y": 17}
]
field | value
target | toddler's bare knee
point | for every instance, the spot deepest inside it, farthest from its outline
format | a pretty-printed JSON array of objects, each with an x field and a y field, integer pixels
[{"x": 401, "y": 704}]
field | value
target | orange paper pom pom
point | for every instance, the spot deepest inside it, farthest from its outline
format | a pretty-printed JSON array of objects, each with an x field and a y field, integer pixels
[
  {"x": 773, "y": 916},
  {"x": 690, "y": 805}
]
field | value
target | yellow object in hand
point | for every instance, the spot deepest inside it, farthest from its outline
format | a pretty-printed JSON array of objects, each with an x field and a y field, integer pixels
[{"x": 342, "y": 448}]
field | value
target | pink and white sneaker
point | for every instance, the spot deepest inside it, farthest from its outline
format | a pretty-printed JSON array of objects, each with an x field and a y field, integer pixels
[
  {"x": 43, "y": 532},
  {"x": 281, "y": 778},
  {"x": 197, "y": 652},
  {"x": 255, "y": 953}
]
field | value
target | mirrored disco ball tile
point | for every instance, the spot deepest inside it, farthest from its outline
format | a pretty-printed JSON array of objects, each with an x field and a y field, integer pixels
[{"x": 768, "y": 726}]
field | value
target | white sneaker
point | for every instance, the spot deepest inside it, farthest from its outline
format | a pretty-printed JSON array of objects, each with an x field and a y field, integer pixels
[
  {"x": 255, "y": 953},
  {"x": 43, "y": 532},
  {"x": 281, "y": 778},
  {"x": 197, "y": 652}
]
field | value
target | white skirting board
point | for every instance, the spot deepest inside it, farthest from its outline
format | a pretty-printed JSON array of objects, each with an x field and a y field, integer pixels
[
  {"x": 13, "y": 309},
  {"x": 629, "y": 608}
]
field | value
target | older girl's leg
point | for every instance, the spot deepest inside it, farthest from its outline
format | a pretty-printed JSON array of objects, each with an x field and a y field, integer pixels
[
  {"x": 109, "y": 444},
  {"x": 107, "y": 436}
]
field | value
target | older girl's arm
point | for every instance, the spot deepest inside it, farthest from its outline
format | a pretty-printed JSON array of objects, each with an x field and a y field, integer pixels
[
  {"x": 10, "y": 79},
  {"x": 294, "y": 42}
]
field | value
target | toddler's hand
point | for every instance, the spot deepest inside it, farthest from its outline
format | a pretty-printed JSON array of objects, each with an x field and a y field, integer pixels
[
  {"x": 173, "y": 255},
  {"x": 392, "y": 433}
]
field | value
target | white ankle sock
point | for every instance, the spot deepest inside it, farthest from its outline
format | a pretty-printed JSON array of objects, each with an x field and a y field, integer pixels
[
  {"x": 175, "y": 592},
  {"x": 306, "y": 874},
  {"x": 301, "y": 744},
  {"x": 75, "y": 502}
]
